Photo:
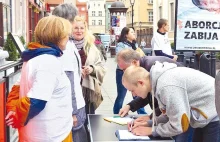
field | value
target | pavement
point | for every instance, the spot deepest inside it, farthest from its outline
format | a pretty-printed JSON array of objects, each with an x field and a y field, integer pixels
[{"x": 109, "y": 91}]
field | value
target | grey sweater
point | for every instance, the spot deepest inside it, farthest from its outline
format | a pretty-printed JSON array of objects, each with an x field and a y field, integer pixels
[{"x": 182, "y": 92}]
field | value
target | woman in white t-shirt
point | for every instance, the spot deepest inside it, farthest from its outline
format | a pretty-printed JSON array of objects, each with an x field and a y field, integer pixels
[{"x": 40, "y": 106}]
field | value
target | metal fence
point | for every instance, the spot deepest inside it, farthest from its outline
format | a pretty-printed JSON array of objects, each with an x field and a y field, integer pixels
[{"x": 9, "y": 73}]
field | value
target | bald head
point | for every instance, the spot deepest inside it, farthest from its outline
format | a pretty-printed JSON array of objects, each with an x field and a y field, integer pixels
[
  {"x": 128, "y": 55},
  {"x": 137, "y": 80},
  {"x": 133, "y": 74}
]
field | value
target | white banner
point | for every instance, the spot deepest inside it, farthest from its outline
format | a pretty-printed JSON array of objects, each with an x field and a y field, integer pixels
[{"x": 197, "y": 25}]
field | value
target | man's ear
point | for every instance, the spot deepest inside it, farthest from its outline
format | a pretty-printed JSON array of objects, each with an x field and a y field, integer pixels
[
  {"x": 140, "y": 82},
  {"x": 134, "y": 62}
]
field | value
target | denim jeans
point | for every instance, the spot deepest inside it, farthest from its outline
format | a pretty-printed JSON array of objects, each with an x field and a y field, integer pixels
[
  {"x": 121, "y": 92},
  {"x": 185, "y": 137},
  {"x": 209, "y": 133}
]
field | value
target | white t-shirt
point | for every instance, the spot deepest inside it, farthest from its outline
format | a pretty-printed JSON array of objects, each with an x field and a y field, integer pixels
[
  {"x": 143, "y": 43},
  {"x": 43, "y": 78},
  {"x": 71, "y": 61},
  {"x": 161, "y": 42}
]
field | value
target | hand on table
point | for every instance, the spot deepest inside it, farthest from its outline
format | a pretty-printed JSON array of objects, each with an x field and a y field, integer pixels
[
  {"x": 142, "y": 131},
  {"x": 135, "y": 124},
  {"x": 143, "y": 118},
  {"x": 124, "y": 111}
]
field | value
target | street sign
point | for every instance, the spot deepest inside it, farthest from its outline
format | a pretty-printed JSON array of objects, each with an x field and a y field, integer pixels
[{"x": 197, "y": 25}]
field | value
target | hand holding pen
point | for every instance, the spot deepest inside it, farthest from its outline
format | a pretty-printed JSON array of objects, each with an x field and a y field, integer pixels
[
  {"x": 131, "y": 124},
  {"x": 135, "y": 123}
]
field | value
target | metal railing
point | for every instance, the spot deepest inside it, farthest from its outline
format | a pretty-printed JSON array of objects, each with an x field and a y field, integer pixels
[{"x": 10, "y": 73}]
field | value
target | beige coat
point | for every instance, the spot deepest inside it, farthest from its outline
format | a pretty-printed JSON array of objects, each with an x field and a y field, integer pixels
[{"x": 92, "y": 83}]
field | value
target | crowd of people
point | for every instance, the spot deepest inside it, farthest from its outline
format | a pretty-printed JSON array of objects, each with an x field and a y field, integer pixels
[{"x": 63, "y": 71}]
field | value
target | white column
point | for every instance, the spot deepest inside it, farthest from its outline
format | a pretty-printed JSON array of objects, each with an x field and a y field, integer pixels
[{"x": 155, "y": 13}]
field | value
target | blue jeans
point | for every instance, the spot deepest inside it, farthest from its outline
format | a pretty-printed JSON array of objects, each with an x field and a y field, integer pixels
[
  {"x": 209, "y": 133},
  {"x": 121, "y": 92},
  {"x": 185, "y": 137}
]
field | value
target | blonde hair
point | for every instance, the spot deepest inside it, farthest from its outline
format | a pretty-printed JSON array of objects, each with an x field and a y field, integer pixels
[
  {"x": 88, "y": 36},
  {"x": 133, "y": 73},
  {"x": 52, "y": 29}
]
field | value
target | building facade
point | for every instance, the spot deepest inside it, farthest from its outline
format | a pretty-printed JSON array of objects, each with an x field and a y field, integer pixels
[
  {"x": 35, "y": 10},
  {"x": 5, "y": 19},
  {"x": 19, "y": 15},
  {"x": 70, "y": 1},
  {"x": 165, "y": 9},
  {"x": 82, "y": 8},
  {"x": 96, "y": 10},
  {"x": 108, "y": 4},
  {"x": 142, "y": 19}
]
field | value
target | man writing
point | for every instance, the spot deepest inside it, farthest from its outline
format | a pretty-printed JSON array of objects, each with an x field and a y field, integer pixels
[
  {"x": 186, "y": 97},
  {"x": 128, "y": 57}
]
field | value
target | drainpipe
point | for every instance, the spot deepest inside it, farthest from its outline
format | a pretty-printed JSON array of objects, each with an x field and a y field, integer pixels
[{"x": 11, "y": 15}]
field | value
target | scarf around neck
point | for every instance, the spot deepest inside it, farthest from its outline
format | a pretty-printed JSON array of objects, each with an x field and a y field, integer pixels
[
  {"x": 79, "y": 43},
  {"x": 35, "y": 49},
  {"x": 131, "y": 44}
]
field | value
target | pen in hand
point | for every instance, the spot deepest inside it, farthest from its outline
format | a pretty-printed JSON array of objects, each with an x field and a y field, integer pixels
[{"x": 132, "y": 124}]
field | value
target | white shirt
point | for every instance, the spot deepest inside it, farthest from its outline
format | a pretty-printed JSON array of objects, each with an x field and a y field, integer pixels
[
  {"x": 143, "y": 43},
  {"x": 43, "y": 78},
  {"x": 161, "y": 42},
  {"x": 71, "y": 61}
]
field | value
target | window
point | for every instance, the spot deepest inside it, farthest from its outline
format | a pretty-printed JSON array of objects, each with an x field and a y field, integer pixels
[
  {"x": 172, "y": 16},
  {"x": 100, "y": 13},
  {"x": 100, "y": 22},
  {"x": 93, "y": 22},
  {"x": 93, "y": 13},
  {"x": 99, "y": 4},
  {"x": 150, "y": 1},
  {"x": 150, "y": 16},
  {"x": 94, "y": 4}
]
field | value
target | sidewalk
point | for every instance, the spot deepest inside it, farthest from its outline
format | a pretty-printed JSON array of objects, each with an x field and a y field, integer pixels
[{"x": 109, "y": 91}]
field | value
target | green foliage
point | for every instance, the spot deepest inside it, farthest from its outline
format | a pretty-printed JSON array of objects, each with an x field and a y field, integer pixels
[
  {"x": 11, "y": 48},
  {"x": 22, "y": 40},
  {"x": 218, "y": 55},
  {"x": 172, "y": 45},
  {"x": 199, "y": 52}
]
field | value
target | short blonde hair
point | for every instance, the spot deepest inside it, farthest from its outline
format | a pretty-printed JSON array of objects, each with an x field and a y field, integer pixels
[
  {"x": 133, "y": 73},
  {"x": 52, "y": 29},
  {"x": 89, "y": 37}
]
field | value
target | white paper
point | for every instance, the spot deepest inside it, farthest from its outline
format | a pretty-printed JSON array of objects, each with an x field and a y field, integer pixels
[{"x": 126, "y": 135}]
